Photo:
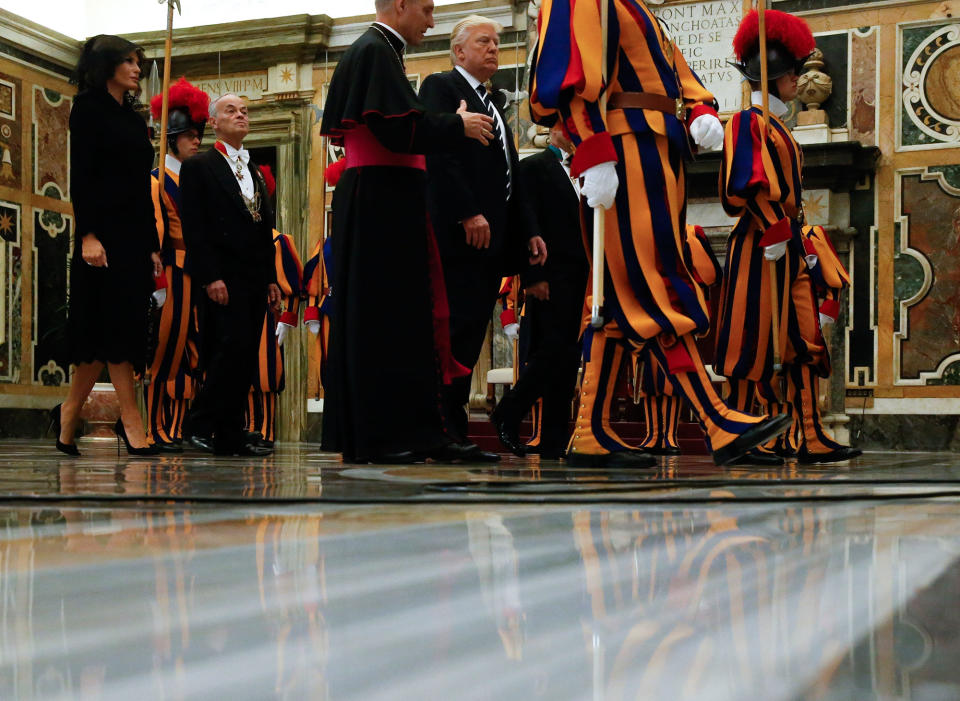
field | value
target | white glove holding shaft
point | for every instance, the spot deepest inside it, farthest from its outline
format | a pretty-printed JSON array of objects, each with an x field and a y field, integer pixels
[
  {"x": 313, "y": 326},
  {"x": 707, "y": 132},
  {"x": 775, "y": 251},
  {"x": 160, "y": 296},
  {"x": 282, "y": 330},
  {"x": 600, "y": 183},
  {"x": 512, "y": 331},
  {"x": 826, "y": 320}
]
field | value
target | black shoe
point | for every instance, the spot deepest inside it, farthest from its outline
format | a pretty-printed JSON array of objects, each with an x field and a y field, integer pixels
[
  {"x": 757, "y": 457},
  {"x": 202, "y": 443},
  {"x": 122, "y": 435},
  {"x": 532, "y": 449},
  {"x": 751, "y": 438},
  {"x": 461, "y": 452},
  {"x": 254, "y": 450},
  {"x": 625, "y": 459},
  {"x": 68, "y": 448},
  {"x": 169, "y": 446},
  {"x": 839, "y": 455},
  {"x": 660, "y": 451},
  {"x": 786, "y": 453},
  {"x": 508, "y": 431}
]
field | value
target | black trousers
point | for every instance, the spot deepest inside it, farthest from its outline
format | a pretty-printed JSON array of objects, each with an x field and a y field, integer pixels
[
  {"x": 552, "y": 361},
  {"x": 473, "y": 285},
  {"x": 229, "y": 345}
]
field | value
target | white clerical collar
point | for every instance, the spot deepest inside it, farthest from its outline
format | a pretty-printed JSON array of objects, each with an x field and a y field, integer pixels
[
  {"x": 470, "y": 79},
  {"x": 394, "y": 32},
  {"x": 172, "y": 164},
  {"x": 777, "y": 106}
]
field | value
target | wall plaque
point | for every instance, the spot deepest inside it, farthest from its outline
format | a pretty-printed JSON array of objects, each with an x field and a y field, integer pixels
[
  {"x": 251, "y": 86},
  {"x": 704, "y": 33}
]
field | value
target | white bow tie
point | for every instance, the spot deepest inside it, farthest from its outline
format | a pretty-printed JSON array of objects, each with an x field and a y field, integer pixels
[{"x": 242, "y": 155}]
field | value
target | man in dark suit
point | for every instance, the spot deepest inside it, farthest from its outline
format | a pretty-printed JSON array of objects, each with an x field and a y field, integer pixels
[
  {"x": 228, "y": 232},
  {"x": 473, "y": 199},
  {"x": 554, "y": 301}
]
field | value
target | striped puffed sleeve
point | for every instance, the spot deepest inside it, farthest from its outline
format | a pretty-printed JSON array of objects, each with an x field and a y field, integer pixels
[
  {"x": 566, "y": 77},
  {"x": 696, "y": 98},
  {"x": 700, "y": 257},
  {"x": 751, "y": 181},
  {"x": 289, "y": 277},
  {"x": 829, "y": 274}
]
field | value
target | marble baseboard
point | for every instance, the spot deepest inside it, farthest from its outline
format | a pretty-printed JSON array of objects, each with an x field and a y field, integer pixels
[
  {"x": 313, "y": 428},
  {"x": 905, "y": 432}
]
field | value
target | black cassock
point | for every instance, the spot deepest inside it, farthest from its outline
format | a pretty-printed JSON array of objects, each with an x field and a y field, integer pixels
[{"x": 388, "y": 354}]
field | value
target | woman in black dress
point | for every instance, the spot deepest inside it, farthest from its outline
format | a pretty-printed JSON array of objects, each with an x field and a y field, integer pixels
[{"x": 116, "y": 247}]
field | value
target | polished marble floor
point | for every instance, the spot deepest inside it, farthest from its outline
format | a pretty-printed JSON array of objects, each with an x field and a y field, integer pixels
[{"x": 298, "y": 577}]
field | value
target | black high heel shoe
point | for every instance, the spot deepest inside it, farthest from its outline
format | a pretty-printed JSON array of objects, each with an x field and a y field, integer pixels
[
  {"x": 67, "y": 448},
  {"x": 122, "y": 434}
]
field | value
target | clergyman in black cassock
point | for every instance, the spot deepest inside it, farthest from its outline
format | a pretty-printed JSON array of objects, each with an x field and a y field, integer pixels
[
  {"x": 554, "y": 300},
  {"x": 389, "y": 339}
]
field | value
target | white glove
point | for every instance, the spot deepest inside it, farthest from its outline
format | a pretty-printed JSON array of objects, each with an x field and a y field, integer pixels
[
  {"x": 512, "y": 331},
  {"x": 160, "y": 296},
  {"x": 812, "y": 261},
  {"x": 600, "y": 183},
  {"x": 282, "y": 330},
  {"x": 826, "y": 320},
  {"x": 313, "y": 326},
  {"x": 707, "y": 132},
  {"x": 775, "y": 251}
]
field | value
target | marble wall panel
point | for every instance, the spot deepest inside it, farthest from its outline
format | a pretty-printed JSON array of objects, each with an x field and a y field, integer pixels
[
  {"x": 929, "y": 87},
  {"x": 53, "y": 246},
  {"x": 11, "y": 131},
  {"x": 10, "y": 279},
  {"x": 927, "y": 277},
  {"x": 863, "y": 85},
  {"x": 51, "y": 143}
]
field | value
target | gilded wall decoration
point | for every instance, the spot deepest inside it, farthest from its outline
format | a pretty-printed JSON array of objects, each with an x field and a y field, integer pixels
[
  {"x": 863, "y": 85},
  {"x": 926, "y": 275},
  {"x": 930, "y": 87},
  {"x": 51, "y": 143},
  {"x": 53, "y": 247},
  {"x": 10, "y": 294},
  {"x": 11, "y": 131}
]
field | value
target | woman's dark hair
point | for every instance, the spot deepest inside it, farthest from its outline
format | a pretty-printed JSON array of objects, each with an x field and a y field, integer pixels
[{"x": 99, "y": 60}]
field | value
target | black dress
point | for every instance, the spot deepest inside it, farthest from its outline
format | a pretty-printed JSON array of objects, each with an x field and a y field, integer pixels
[
  {"x": 383, "y": 380},
  {"x": 110, "y": 161}
]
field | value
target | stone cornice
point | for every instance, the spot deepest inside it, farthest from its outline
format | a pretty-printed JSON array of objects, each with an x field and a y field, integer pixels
[
  {"x": 37, "y": 40},
  {"x": 245, "y": 46},
  {"x": 347, "y": 29}
]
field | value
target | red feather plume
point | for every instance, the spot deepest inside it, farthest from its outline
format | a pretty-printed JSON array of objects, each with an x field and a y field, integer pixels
[
  {"x": 184, "y": 94},
  {"x": 791, "y": 31},
  {"x": 269, "y": 180}
]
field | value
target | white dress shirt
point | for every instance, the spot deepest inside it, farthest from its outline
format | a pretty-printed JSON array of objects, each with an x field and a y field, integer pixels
[
  {"x": 241, "y": 158},
  {"x": 777, "y": 106},
  {"x": 173, "y": 164}
]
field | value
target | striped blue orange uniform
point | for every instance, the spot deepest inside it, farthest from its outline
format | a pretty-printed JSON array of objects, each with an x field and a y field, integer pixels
[
  {"x": 173, "y": 371},
  {"x": 270, "y": 379},
  {"x": 760, "y": 183},
  {"x": 651, "y": 294},
  {"x": 318, "y": 287},
  {"x": 661, "y": 405}
]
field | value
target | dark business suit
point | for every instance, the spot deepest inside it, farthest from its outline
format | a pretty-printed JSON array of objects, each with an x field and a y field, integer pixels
[
  {"x": 463, "y": 182},
  {"x": 225, "y": 243},
  {"x": 553, "y": 356}
]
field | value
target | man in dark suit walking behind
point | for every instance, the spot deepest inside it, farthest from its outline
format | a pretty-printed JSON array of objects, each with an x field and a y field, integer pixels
[
  {"x": 554, "y": 301},
  {"x": 228, "y": 232},
  {"x": 473, "y": 196}
]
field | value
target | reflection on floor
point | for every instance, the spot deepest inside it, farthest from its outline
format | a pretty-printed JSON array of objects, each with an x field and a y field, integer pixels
[{"x": 299, "y": 577}]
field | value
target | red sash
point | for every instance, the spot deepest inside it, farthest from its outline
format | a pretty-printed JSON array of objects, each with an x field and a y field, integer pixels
[{"x": 363, "y": 149}]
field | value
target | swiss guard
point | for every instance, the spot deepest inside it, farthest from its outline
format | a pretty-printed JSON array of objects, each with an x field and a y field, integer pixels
[
  {"x": 632, "y": 158},
  {"x": 270, "y": 379},
  {"x": 661, "y": 405},
  {"x": 761, "y": 185},
  {"x": 174, "y": 367}
]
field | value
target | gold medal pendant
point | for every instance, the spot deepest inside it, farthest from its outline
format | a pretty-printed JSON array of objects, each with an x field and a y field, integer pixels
[{"x": 239, "y": 172}]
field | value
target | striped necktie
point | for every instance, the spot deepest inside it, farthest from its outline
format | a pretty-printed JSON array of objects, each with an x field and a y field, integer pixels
[{"x": 497, "y": 134}]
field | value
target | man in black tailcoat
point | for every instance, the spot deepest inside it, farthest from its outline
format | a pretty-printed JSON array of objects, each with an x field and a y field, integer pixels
[
  {"x": 228, "y": 233},
  {"x": 474, "y": 194},
  {"x": 554, "y": 301},
  {"x": 387, "y": 357}
]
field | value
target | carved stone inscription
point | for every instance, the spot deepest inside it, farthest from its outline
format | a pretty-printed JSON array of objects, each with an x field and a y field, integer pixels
[{"x": 704, "y": 31}]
